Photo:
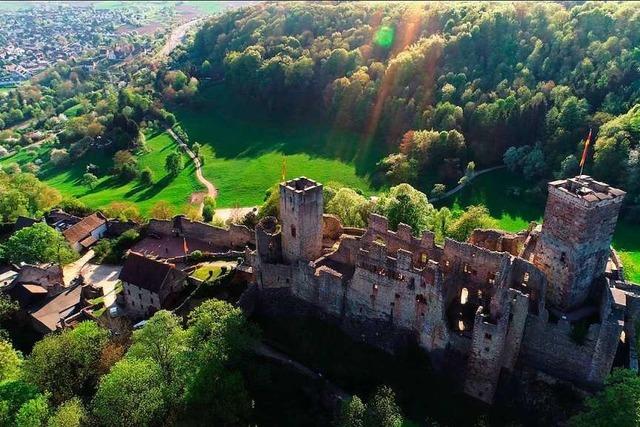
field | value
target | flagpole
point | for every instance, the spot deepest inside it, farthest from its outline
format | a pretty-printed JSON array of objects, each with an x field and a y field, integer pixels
[{"x": 583, "y": 160}]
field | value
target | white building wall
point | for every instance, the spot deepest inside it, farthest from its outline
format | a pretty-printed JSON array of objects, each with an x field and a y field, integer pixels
[{"x": 139, "y": 300}]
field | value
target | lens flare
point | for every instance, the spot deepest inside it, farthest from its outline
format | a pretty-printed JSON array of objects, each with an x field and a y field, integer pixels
[{"x": 384, "y": 36}]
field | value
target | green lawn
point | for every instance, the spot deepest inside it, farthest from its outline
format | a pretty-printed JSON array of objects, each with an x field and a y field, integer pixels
[
  {"x": 6, "y": 89},
  {"x": 514, "y": 212},
  {"x": 73, "y": 111},
  {"x": 244, "y": 148},
  {"x": 68, "y": 179}
]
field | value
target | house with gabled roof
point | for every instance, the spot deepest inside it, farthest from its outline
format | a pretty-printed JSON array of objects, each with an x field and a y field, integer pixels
[
  {"x": 86, "y": 232},
  {"x": 149, "y": 283}
]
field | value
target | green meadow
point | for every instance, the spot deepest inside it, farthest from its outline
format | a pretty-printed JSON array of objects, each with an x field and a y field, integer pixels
[
  {"x": 244, "y": 148},
  {"x": 505, "y": 195},
  {"x": 68, "y": 179}
]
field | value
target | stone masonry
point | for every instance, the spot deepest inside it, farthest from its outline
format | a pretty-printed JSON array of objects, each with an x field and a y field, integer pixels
[
  {"x": 496, "y": 303},
  {"x": 574, "y": 246}
]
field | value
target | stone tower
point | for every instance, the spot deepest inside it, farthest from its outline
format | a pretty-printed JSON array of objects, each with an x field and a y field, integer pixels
[
  {"x": 301, "y": 208},
  {"x": 574, "y": 245}
]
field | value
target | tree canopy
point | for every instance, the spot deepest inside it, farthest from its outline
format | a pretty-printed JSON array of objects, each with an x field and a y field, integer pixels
[{"x": 38, "y": 244}]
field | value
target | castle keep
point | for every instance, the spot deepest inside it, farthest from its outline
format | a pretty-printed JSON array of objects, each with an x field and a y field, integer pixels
[{"x": 494, "y": 303}]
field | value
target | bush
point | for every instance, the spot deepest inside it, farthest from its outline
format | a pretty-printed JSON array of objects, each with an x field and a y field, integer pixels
[
  {"x": 196, "y": 256},
  {"x": 146, "y": 176}
]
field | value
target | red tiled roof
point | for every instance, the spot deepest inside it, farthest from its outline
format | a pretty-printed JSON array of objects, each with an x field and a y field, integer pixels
[{"x": 83, "y": 229}]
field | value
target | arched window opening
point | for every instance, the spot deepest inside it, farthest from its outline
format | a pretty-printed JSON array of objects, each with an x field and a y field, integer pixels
[{"x": 464, "y": 295}]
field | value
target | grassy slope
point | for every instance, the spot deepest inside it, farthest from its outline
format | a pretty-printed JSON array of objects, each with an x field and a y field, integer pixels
[
  {"x": 514, "y": 213},
  {"x": 244, "y": 148},
  {"x": 67, "y": 180}
]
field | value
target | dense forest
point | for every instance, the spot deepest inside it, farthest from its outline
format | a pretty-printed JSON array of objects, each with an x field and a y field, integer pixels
[{"x": 443, "y": 84}]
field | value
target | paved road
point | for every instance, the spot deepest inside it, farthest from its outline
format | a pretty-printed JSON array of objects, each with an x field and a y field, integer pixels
[
  {"x": 71, "y": 271},
  {"x": 103, "y": 276}
]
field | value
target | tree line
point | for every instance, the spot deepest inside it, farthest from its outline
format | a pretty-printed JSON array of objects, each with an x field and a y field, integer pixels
[{"x": 445, "y": 84}]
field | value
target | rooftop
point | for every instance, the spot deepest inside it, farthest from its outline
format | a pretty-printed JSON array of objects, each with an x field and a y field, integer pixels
[
  {"x": 301, "y": 184},
  {"x": 83, "y": 229},
  {"x": 146, "y": 273},
  {"x": 587, "y": 188}
]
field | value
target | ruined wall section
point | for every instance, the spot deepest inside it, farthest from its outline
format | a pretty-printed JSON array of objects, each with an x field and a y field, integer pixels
[
  {"x": 431, "y": 323},
  {"x": 160, "y": 227},
  {"x": 237, "y": 236},
  {"x": 530, "y": 281},
  {"x": 485, "y": 357},
  {"x": 387, "y": 288},
  {"x": 498, "y": 241},
  {"x": 518, "y": 312},
  {"x": 269, "y": 241},
  {"x": 477, "y": 269},
  {"x": 422, "y": 250},
  {"x": 548, "y": 346}
]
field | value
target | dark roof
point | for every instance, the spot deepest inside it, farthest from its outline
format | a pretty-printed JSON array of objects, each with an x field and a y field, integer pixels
[
  {"x": 58, "y": 308},
  {"x": 83, "y": 229},
  {"x": 24, "y": 222},
  {"x": 146, "y": 273}
]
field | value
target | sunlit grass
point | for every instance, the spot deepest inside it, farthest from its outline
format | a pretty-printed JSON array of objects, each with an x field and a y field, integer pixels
[
  {"x": 243, "y": 148},
  {"x": 68, "y": 179}
]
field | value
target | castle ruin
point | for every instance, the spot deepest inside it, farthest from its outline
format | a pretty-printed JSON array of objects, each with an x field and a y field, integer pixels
[{"x": 493, "y": 303}]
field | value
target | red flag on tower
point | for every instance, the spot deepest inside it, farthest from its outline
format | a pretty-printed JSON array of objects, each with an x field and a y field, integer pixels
[{"x": 584, "y": 152}]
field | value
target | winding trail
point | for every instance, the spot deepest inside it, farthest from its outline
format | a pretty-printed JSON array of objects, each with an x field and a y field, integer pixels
[
  {"x": 468, "y": 181},
  {"x": 211, "y": 189}
]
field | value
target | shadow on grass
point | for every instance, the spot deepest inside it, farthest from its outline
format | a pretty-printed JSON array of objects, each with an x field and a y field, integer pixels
[
  {"x": 504, "y": 194},
  {"x": 155, "y": 188},
  {"x": 237, "y": 128}
]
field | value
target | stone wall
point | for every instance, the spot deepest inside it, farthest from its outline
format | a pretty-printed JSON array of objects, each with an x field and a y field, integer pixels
[
  {"x": 573, "y": 248},
  {"x": 301, "y": 208},
  {"x": 485, "y": 357},
  {"x": 548, "y": 346},
  {"x": 422, "y": 249},
  {"x": 115, "y": 227},
  {"x": 236, "y": 237},
  {"x": 160, "y": 227},
  {"x": 499, "y": 241}
]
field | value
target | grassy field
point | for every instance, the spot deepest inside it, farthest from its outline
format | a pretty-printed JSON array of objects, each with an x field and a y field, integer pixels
[
  {"x": 73, "y": 111},
  {"x": 244, "y": 149},
  {"x": 68, "y": 179},
  {"x": 504, "y": 194},
  {"x": 6, "y": 89}
]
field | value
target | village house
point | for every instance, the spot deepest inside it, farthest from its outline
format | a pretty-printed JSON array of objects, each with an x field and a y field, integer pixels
[
  {"x": 44, "y": 301},
  {"x": 149, "y": 284},
  {"x": 86, "y": 232}
]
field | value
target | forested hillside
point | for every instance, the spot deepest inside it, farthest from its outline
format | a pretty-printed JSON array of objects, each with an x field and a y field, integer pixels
[{"x": 445, "y": 84}]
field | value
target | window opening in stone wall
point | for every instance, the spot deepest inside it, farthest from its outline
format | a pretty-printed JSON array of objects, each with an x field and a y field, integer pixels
[
  {"x": 492, "y": 278},
  {"x": 424, "y": 258},
  {"x": 466, "y": 268},
  {"x": 464, "y": 295},
  {"x": 293, "y": 231}
]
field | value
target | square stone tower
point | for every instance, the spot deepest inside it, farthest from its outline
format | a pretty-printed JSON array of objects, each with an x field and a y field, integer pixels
[
  {"x": 573, "y": 248},
  {"x": 301, "y": 208}
]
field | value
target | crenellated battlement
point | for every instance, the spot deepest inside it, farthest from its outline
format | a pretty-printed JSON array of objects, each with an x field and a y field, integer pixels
[{"x": 482, "y": 301}]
